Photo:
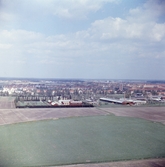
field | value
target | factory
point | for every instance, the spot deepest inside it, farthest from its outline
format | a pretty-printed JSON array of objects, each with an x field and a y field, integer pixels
[
  {"x": 66, "y": 103},
  {"x": 123, "y": 101}
]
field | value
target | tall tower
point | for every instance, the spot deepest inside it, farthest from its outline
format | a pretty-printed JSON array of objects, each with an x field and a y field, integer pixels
[{"x": 121, "y": 87}]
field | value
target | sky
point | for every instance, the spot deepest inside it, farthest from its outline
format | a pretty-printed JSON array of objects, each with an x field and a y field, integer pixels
[{"x": 82, "y": 39}]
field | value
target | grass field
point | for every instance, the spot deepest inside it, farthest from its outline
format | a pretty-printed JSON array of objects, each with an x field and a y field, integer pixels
[{"x": 80, "y": 140}]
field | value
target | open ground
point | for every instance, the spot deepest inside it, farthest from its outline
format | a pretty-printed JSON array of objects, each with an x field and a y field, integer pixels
[
  {"x": 77, "y": 140},
  {"x": 63, "y": 136},
  {"x": 139, "y": 163},
  {"x": 7, "y": 102},
  {"x": 9, "y": 116}
]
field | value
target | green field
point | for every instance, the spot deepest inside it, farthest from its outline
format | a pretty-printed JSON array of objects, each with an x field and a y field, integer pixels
[{"x": 80, "y": 140}]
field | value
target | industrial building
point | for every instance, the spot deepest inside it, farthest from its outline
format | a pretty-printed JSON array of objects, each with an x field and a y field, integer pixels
[{"x": 123, "y": 101}]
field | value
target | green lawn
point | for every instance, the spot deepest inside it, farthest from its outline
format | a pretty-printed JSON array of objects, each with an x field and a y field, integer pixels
[{"x": 80, "y": 140}]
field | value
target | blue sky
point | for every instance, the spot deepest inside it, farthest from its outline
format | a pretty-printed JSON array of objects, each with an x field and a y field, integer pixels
[{"x": 101, "y": 39}]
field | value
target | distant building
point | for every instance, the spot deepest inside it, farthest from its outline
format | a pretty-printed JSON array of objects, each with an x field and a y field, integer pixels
[
  {"x": 121, "y": 87},
  {"x": 124, "y": 101},
  {"x": 66, "y": 103}
]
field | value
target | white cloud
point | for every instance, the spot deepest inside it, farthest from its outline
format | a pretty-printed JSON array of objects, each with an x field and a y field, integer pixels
[
  {"x": 78, "y": 9},
  {"x": 20, "y": 35},
  {"x": 149, "y": 11},
  {"x": 110, "y": 34},
  {"x": 105, "y": 43},
  {"x": 5, "y": 46},
  {"x": 158, "y": 32},
  {"x": 4, "y": 16},
  {"x": 68, "y": 9},
  {"x": 140, "y": 24}
]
